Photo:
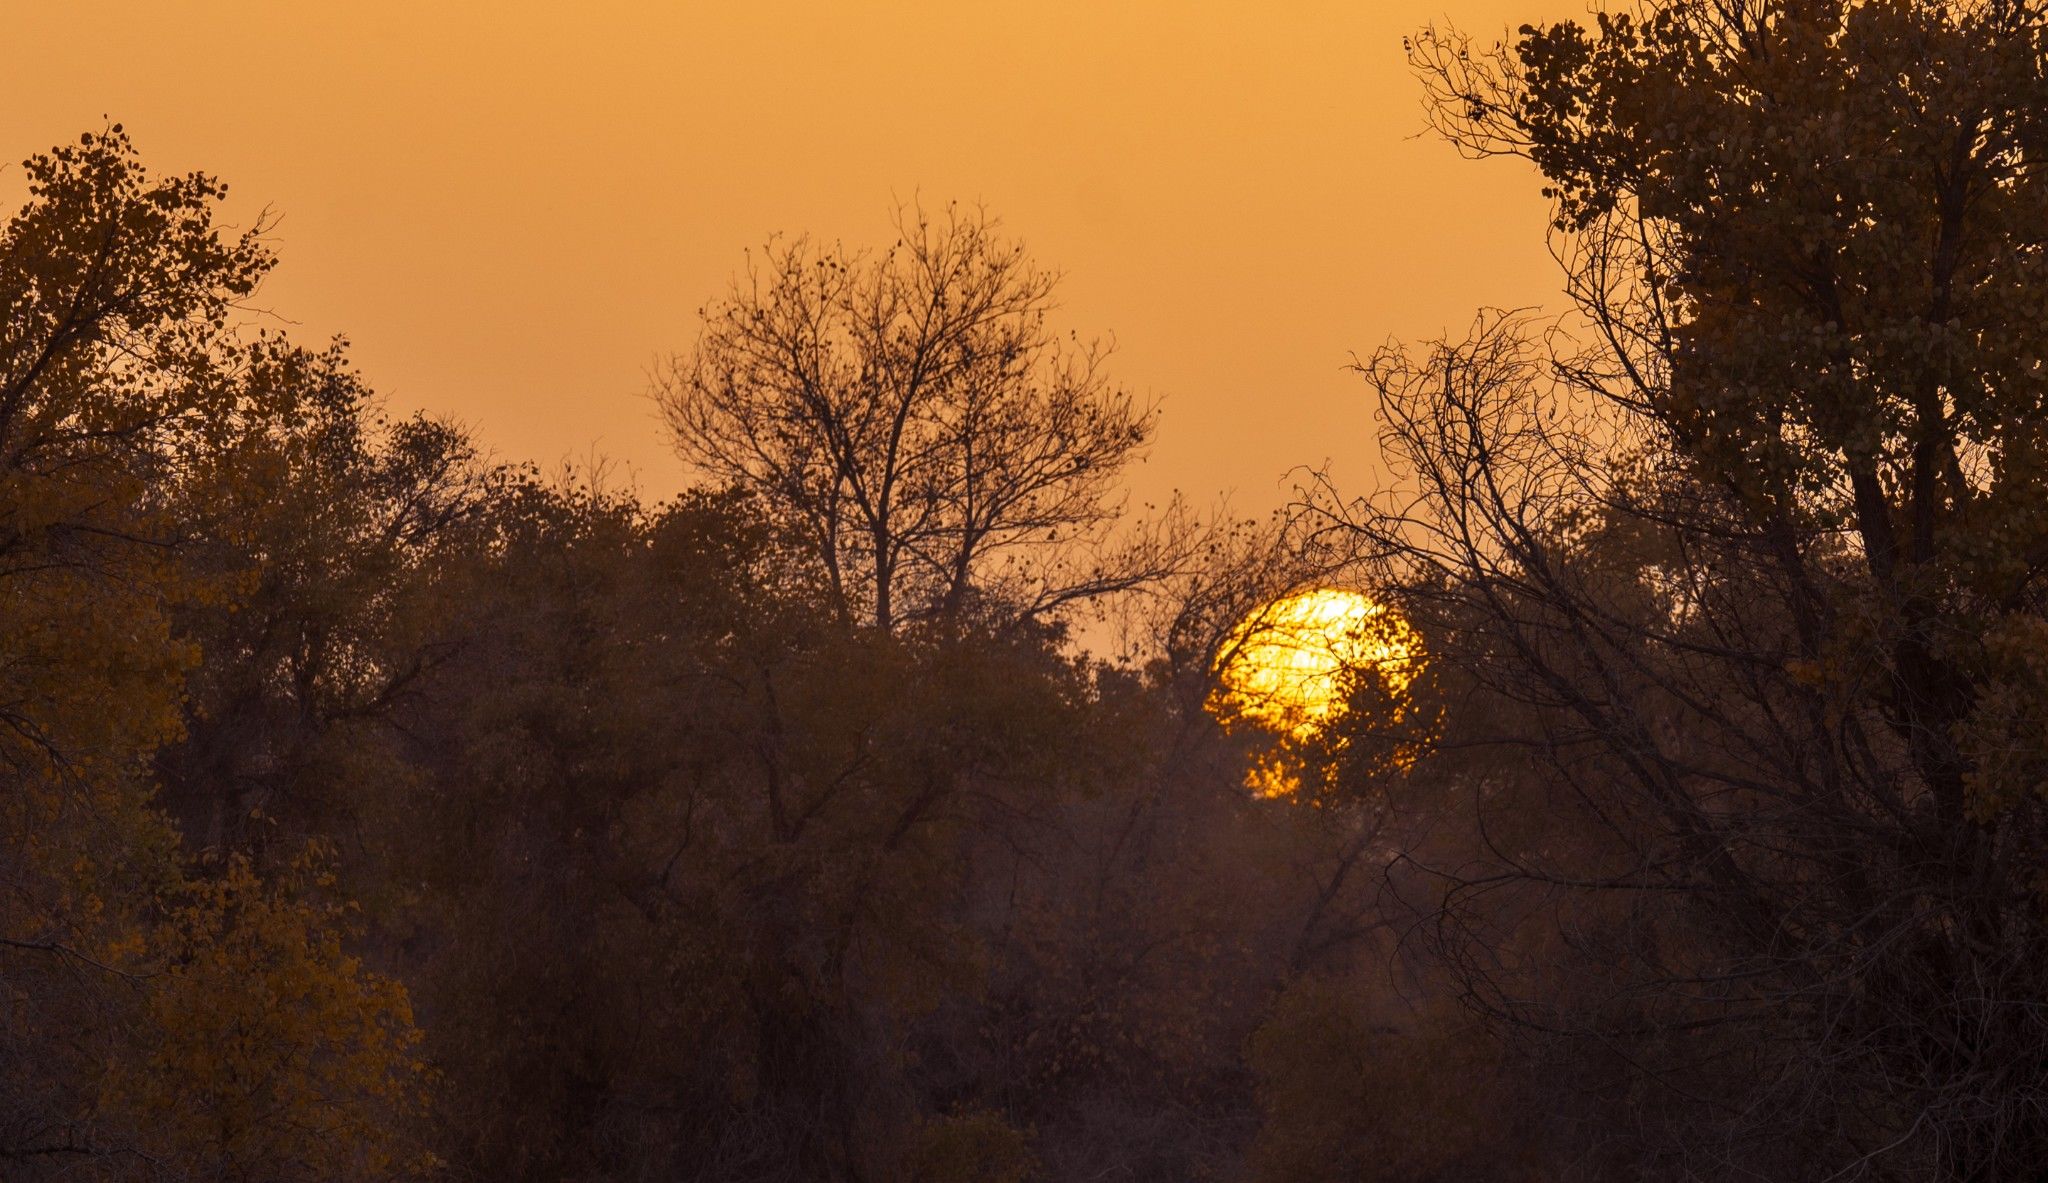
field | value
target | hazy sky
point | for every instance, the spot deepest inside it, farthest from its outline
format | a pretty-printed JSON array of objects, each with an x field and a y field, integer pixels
[{"x": 512, "y": 208}]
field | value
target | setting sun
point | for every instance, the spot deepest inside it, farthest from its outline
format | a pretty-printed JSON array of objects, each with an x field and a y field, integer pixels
[{"x": 1287, "y": 667}]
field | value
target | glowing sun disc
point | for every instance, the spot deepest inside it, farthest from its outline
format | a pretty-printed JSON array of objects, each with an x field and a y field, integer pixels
[{"x": 1287, "y": 668}]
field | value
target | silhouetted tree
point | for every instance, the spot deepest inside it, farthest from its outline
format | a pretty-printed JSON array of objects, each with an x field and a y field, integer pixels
[
  {"x": 1749, "y": 587},
  {"x": 916, "y": 421}
]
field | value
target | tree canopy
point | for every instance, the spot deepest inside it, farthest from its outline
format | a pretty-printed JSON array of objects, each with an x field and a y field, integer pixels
[
  {"x": 1750, "y": 547},
  {"x": 1659, "y": 752}
]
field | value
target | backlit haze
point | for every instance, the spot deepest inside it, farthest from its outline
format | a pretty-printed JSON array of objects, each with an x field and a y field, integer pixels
[{"x": 512, "y": 209}]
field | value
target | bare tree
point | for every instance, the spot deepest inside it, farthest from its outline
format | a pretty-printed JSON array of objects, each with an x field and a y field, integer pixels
[{"x": 916, "y": 422}]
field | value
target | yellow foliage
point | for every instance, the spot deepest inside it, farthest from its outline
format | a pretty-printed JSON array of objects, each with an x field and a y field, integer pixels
[{"x": 271, "y": 1053}]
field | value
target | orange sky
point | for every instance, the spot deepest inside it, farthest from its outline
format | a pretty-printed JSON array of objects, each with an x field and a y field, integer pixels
[{"x": 512, "y": 207}]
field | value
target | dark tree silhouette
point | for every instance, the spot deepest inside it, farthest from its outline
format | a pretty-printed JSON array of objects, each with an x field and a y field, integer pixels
[
  {"x": 1751, "y": 584},
  {"x": 915, "y": 420}
]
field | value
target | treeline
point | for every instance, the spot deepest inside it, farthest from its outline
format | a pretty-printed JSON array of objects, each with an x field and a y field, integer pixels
[{"x": 375, "y": 811}]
